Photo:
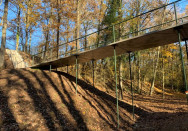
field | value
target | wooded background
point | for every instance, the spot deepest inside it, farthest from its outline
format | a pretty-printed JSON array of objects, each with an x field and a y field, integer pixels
[{"x": 59, "y": 21}]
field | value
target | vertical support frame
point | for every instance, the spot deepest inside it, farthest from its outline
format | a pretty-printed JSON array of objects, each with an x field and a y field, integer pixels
[
  {"x": 130, "y": 68},
  {"x": 115, "y": 63}
]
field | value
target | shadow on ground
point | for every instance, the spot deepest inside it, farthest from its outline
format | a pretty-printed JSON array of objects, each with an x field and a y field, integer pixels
[{"x": 36, "y": 99}]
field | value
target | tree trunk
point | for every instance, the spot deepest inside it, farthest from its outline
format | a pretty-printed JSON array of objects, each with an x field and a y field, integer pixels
[
  {"x": 46, "y": 44},
  {"x": 78, "y": 24},
  {"x": 138, "y": 71},
  {"x": 186, "y": 48},
  {"x": 18, "y": 29},
  {"x": 120, "y": 79},
  {"x": 30, "y": 34},
  {"x": 58, "y": 26},
  {"x": 27, "y": 26},
  {"x": 3, "y": 39},
  {"x": 163, "y": 74},
  {"x": 99, "y": 22},
  {"x": 154, "y": 74}
]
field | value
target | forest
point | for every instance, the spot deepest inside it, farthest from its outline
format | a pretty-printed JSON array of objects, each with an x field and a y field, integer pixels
[{"x": 57, "y": 28}]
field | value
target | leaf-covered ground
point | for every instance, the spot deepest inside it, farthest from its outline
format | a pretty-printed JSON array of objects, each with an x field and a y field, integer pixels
[{"x": 43, "y": 100}]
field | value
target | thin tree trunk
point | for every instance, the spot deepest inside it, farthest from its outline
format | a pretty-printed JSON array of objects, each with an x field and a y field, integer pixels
[
  {"x": 3, "y": 39},
  {"x": 58, "y": 32},
  {"x": 172, "y": 73},
  {"x": 18, "y": 29},
  {"x": 30, "y": 34},
  {"x": 138, "y": 71},
  {"x": 186, "y": 48},
  {"x": 78, "y": 24},
  {"x": 99, "y": 22},
  {"x": 154, "y": 74},
  {"x": 163, "y": 75},
  {"x": 120, "y": 79},
  {"x": 27, "y": 25}
]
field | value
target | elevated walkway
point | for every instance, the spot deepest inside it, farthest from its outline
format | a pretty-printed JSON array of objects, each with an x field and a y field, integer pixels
[{"x": 141, "y": 42}]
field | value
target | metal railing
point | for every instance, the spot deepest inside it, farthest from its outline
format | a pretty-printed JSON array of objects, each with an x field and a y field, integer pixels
[{"x": 153, "y": 20}]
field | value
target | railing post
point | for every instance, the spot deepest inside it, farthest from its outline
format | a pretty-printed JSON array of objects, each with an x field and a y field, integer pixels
[
  {"x": 175, "y": 13},
  {"x": 131, "y": 82},
  {"x": 116, "y": 85}
]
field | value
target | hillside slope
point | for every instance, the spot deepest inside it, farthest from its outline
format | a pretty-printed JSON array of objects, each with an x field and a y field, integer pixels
[{"x": 43, "y": 100}]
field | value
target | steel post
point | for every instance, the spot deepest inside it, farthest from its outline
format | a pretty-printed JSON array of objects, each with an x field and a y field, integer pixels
[
  {"x": 131, "y": 82},
  {"x": 182, "y": 63},
  {"x": 50, "y": 68},
  {"x": 116, "y": 85}
]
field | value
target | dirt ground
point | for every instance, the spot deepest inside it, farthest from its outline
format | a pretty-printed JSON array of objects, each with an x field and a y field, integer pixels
[{"x": 42, "y": 100}]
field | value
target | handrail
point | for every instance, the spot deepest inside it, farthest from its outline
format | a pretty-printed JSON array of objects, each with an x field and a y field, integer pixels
[{"x": 111, "y": 26}]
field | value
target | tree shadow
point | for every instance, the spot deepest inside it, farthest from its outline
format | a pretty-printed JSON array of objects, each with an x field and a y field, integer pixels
[
  {"x": 159, "y": 100},
  {"x": 38, "y": 102},
  {"x": 105, "y": 103},
  {"x": 164, "y": 121},
  {"x": 70, "y": 104},
  {"x": 62, "y": 120},
  {"x": 102, "y": 94},
  {"x": 8, "y": 121}
]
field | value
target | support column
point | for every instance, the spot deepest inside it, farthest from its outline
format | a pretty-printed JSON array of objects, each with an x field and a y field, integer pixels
[
  {"x": 182, "y": 63},
  {"x": 76, "y": 72},
  {"x": 50, "y": 68},
  {"x": 116, "y": 85},
  {"x": 131, "y": 82},
  {"x": 93, "y": 67}
]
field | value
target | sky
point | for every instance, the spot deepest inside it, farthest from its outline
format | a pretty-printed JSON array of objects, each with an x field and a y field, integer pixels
[{"x": 37, "y": 35}]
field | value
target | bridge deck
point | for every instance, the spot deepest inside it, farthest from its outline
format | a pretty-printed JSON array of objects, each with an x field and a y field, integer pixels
[{"x": 149, "y": 40}]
